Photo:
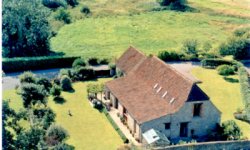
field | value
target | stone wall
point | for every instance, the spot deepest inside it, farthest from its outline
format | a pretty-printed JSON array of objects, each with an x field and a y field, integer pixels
[
  {"x": 227, "y": 145},
  {"x": 209, "y": 118}
]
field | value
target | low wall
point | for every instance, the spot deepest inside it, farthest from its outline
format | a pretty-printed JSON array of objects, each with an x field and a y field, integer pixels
[{"x": 232, "y": 145}]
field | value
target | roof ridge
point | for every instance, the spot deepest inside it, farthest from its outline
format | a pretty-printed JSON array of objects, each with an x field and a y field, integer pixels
[{"x": 173, "y": 69}]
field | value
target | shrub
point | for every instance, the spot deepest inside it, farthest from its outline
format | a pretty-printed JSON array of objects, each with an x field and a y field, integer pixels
[
  {"x": 97, "y": 104},
  {"x": 54, "y": 3},
  {"x": 79, "y": 62},
  {"x": 93, "y": 61},
  {"x": 83, "y": 73},
  {"x": 66, "y": 83},
  {"x": 169, "y": 56},
  {"x": 213, "y": 63},
  {"x": 66, "y": 72},
  {"x": 55, "y": 91},
  {"x": 190, "y": 47},
  {"x": 225, "y": 70},
  {"x": 55, "y": 135},
  {"x": 85, "y": 10},
  {"x": 63, "y": 15},
  {"x": 174, "y": 4},
  {"x": 35, "y": 63},
  {"x": 45, "y": 82},
  {"x": 27, "y": 77},
  {"x": 241, "y": 31},
  {"x": 231, "y": 131},
  {"x": 72, "y": 3},
  {"x": 104, "y": 61}
]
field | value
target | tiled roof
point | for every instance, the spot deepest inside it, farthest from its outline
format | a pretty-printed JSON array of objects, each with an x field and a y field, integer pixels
[{"x": 153, "y": 88}]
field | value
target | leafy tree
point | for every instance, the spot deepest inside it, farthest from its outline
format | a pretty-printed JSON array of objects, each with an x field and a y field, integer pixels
[
  {"x": 66, "y": 72},
  {"x": 66, "y": 83},
  {"x": 29, "y": 138},
  {"x": 72, "y": 3},
  {"x": 174, "y": 4},
  {"x": 27, "y": 77},
  {"x": 45, "y": 116},
  {"x": 56, "y": 90},
  {"x": 53, "y": 4},
  {"x": 85, "y": 10},
  {"x": 79, "y": 62},
  {"x": 63, "y": 147},
  {"x": 56, "y": 135},
  {"x": 231, "y": 131},
  {"x": 45, "y": 82},
  {"x": 32, "y": 94},
  {"x": 63, "y": 15},
  {"x": 25, "y": 28},
  {"x": 190, "y": 47},
  {"x": 83, "y": 73}
]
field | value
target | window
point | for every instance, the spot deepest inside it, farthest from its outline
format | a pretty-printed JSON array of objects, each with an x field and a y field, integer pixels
[
  {"x": 197, "y": 110},
  {"x": 167, "y": 125}
]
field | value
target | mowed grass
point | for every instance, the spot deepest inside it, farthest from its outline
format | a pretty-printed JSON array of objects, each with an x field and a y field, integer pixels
[
  {"x": 150, "y": 32},
  {"x": 225, "y": 95},
  {"x": 88, "y": 128}
]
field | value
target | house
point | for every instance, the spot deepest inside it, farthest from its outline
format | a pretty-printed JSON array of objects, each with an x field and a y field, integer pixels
[{"x": 153, "y": 95}]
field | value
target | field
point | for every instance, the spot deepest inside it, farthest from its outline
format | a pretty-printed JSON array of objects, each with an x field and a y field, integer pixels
[
  {"x": 88, "y": 128},
  {"x": 225, "y": 94},
  {"x": 150, "y": 31}
]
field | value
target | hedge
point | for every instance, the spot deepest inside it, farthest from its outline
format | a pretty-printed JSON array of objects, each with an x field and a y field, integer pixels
[
  {"x": 213, "y": 63},
  {"x": 36, "y": 63},
  {"x": 123, "y": 137}
]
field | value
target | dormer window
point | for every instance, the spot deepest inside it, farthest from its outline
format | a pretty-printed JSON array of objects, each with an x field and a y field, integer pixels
[{"x": 197, "y": 110}]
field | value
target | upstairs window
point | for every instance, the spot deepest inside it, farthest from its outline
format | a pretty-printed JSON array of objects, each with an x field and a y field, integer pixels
[
  {"x": 197, "y": 110},
  {"x": 167, "y": 125}
]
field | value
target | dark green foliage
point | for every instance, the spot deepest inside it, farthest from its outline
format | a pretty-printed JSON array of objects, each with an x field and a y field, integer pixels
[
  {"x": 55, "y": 135},
  {"x": 32, "y": 94},
  {"x": 66, "y": 83},
  {"x": 170, "y": 56},
  {"x": 72, "y": 3},
  {"x": 54, "y": 3},
  {"x": 55, "y": 90},
  {"x": 85, "y": 10},
  {"x": 174, "y": 4},
  {"x": 27, "y": 77},
  {"x": 66, "y": 72},
  {"x": 231, "y": 131},
  {"x": 79, "y": 62},
  {"x": 63, "y": 15},
  {"x": 35, "y": 63},
  {"x": 103, "y": 61},
  {"x": 29, "y": 138},
  {"x": 93, "y": 61},
  {"x": 63, "y": 147},
  {"x": 225, "y": 70},
  {"x": 45, "y": 82},
  {"x": 115, "y": 126},
  {"x": 213, "y": 63},
  {"x": 235, "y": 46},
  {"x": 25, "y": 28},
  {"x": 83, "y": 73},
  {"x": 45, "y": 115},
  {"x": 241, "y": 31},
  {"x": 190, "y": 47}
]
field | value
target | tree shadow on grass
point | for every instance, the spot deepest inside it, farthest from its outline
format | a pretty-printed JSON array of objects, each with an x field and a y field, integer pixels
[
  {"x": 71, "y": 91},
  {"x": 59, "y": 100},
  {"x": 232, "y": 80}
]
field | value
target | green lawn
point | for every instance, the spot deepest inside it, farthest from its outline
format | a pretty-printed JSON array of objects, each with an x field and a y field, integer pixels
[
  {"x": 224, "y": 94},
  {"x": 88, "y": 128},
  {"x": 149, "y": 31}
]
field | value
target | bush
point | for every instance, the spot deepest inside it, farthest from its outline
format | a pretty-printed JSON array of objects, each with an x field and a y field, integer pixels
[
  {"x": 45, "y": 82},
  {"x": 174, "y": 4},
  {"x": 63, "y": 15},
  {"x": 169, "y": 56},
  {"x": 97, "y": 104},
  {"x": 27, "y": 77},
  {"x": 83, "y": 73},
  {"x": 36, "y": 63},
  {"x": 85, "y": 10},
  {"x": 190, "y": 47},
  {"x": 72, "y": 3},
  {"x": 55, "y": 135},
  {"x": 54, "y": 3},
  {"x": 213, "y": 63},
  {"x": 66, "y": 72},
  {"x": 231, "y": 131},
  {"x": 104, "y": 61},
  {"x": 66, "y": 83},
  {"x": 93, "y": 61},
  {"x": 79, "y": 62},
  {"x": 55, "y": 91},
  {"x": 225, "y": 70}
]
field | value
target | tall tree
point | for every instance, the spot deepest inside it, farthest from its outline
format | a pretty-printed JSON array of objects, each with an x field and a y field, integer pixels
[{"x": 26, "y": 30}]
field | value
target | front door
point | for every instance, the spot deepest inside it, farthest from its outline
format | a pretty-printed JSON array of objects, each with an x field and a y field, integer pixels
[{"x": 184, "y": 129}]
